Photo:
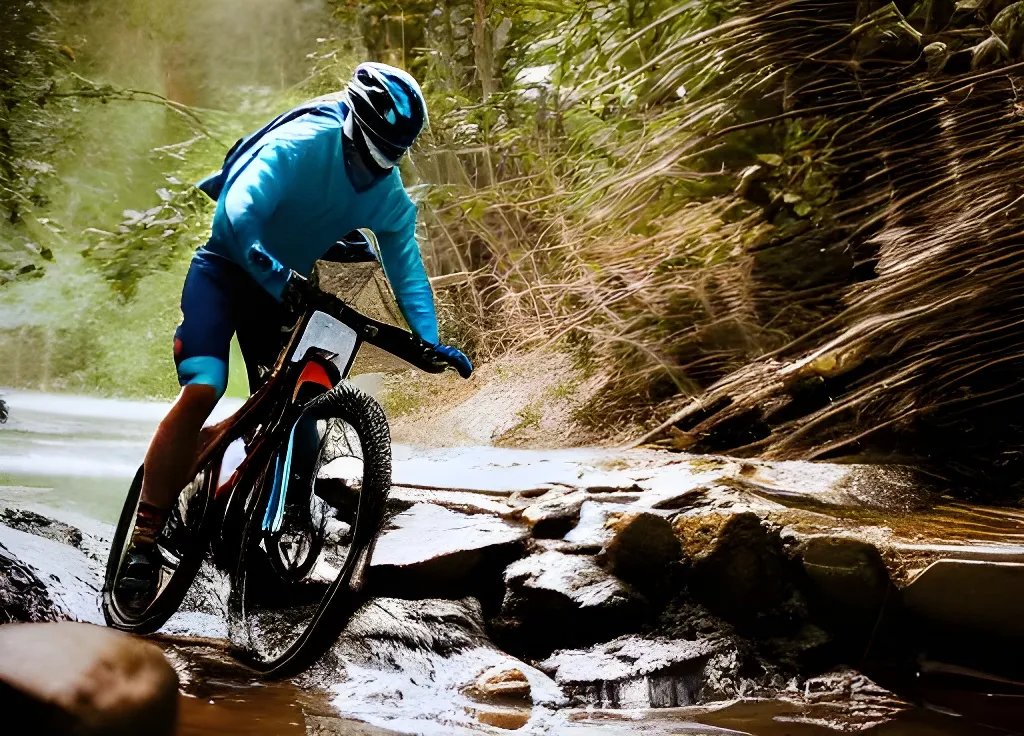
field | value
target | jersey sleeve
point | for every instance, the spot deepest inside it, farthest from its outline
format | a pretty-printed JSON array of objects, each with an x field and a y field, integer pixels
[
  {"x": 400, "y": 256},
  {"x": 251, "y": 199}
]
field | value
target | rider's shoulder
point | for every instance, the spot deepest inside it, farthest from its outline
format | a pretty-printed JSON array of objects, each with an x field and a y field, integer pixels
[{"x": 316, "y": 130}]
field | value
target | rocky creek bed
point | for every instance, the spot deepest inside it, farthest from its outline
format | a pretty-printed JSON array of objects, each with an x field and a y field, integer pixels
[{"x": 619, "y": 592}]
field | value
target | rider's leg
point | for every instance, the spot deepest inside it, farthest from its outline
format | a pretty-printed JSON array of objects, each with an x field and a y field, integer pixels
[
  {"x": 201, "y": 346},
  {"x": 170, "y": 457}
]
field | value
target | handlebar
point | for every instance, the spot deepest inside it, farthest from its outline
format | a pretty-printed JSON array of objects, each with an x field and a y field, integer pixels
[{"x": 400, "y": 343}]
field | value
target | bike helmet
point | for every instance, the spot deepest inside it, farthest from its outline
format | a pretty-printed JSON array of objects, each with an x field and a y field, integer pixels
[{"x": 387, "y": 108}]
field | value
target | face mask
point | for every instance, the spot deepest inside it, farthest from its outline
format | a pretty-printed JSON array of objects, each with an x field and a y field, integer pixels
[{"x": 351, "y": 131}]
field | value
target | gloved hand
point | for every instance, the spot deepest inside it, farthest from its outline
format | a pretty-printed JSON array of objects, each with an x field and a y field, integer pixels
[{"x": 457, "y": 358}]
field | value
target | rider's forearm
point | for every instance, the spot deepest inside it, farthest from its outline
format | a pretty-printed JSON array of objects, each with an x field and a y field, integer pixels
[{"x": 403, "y": 266}]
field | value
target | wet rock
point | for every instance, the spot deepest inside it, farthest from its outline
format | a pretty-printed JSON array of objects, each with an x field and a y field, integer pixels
[
  {"x": 33, "y": 523},
  {"x": 843, "y": 699},
  {"x": 592, "y": 533},
  {"x": 737, "y": 564},
  {"x": 412, "y": 666},
  {"x": 556, "y": 599},
  {"x": 555, "y": 513},
  {"x": 71, "y": 580},
  {"x": 81, "y": 679},
  {"x": 850, "y": 580},
  {"x": 23, "y": 597},
  {"x": 632, "y": 672},
  {"x": 989, "y": 54},
  {"x": 982, "y": 602},
  {"x": 641, "y": 548},
  {"x": 429, "y": 550}
]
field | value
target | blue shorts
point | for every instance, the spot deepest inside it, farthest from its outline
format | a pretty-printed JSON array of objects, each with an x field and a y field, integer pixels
[{"x": 220, "y": 299}]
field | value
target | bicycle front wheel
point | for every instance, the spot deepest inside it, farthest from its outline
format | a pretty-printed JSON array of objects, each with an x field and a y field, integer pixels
[{"x": 299, "y": 574}]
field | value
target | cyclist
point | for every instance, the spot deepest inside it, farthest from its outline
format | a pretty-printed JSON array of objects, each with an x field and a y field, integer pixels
[{"x": 285, "y": 195}]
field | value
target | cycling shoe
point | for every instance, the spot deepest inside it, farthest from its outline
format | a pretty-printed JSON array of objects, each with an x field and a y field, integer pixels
[{"x": 136, "y": 585}]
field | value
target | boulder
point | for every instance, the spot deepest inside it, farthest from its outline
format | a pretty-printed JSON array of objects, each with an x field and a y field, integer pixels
[
  {"x": 553, "y": 598},
  {"x": 738, "y": 567},
  {"x": 502, "y": 682},
  {"x": 82, "y": 679},
  {"x": 632, "y": 672},
  {"x": 848, "y": 575},
  {"x": 555, "y": 513},
  {"x": 428, "y": 549},
  {"x": 641, "y": 548},
  {"x": 420, "y": 666}
]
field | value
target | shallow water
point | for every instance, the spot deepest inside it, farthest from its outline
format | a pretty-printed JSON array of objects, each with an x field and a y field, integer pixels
[{"x": 79, "y": 454}]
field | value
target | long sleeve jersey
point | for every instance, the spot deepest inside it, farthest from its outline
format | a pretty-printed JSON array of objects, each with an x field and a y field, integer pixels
[{"x": 288, "y": 198}]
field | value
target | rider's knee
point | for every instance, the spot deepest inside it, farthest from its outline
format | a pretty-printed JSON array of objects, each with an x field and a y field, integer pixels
[{"x": 204, "y": 371}]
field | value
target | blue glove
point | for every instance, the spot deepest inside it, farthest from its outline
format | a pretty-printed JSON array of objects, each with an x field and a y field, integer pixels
[{"x": 456, "y": 358}]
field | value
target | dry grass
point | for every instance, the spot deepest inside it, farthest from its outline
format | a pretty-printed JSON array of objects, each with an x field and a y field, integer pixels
[{"x": 814, "y": 252}]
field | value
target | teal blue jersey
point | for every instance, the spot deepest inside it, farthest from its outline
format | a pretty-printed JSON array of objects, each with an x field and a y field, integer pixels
[{"x": 289, "y": 196}]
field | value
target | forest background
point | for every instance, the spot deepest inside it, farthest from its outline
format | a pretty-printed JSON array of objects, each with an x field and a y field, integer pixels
[{"x": 785, "y": 227}]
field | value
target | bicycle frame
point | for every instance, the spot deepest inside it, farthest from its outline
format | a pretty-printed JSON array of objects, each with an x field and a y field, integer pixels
[{"x": 274, "y": 407}]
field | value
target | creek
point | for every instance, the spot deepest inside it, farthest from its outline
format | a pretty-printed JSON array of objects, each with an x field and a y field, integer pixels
[{"x": 75, "y": 455}]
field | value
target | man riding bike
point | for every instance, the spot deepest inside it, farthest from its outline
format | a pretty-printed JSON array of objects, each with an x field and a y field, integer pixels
[{"x": 285, "y": 196}]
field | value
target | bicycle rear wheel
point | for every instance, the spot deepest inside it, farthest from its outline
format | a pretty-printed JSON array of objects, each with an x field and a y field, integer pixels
[
  {"x": 285, "y": 609},
  {"x": 182, "y": 545}
]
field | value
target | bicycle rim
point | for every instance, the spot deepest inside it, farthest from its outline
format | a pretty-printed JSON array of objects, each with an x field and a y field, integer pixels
[{"x": 280, "y": 623}]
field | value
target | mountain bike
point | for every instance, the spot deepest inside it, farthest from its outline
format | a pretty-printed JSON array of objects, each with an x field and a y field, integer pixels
[{"x": 287, "y": 497}]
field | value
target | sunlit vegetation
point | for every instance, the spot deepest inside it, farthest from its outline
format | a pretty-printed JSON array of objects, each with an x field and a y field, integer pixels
[{"x": 782, "y": 227}]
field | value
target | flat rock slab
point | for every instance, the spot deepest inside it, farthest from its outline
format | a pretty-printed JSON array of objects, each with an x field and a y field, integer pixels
[
  {"x": 429, "y": 547},
  {"x": 632, "y": 672},
  {"x": 983, "y": 600}
]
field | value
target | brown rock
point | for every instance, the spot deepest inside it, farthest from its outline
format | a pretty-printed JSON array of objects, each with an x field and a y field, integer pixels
[
  {"x": 510, "y": 719},
  {"x": 503, "y": 682},
  {"x": 84, "y": 679},
  {"x": 641, "y": 548},
  {"x": 738, "y": 567}
]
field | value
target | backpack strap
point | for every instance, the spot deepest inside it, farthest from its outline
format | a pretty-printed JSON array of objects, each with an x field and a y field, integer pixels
[{"x": 213, "y": 185}]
